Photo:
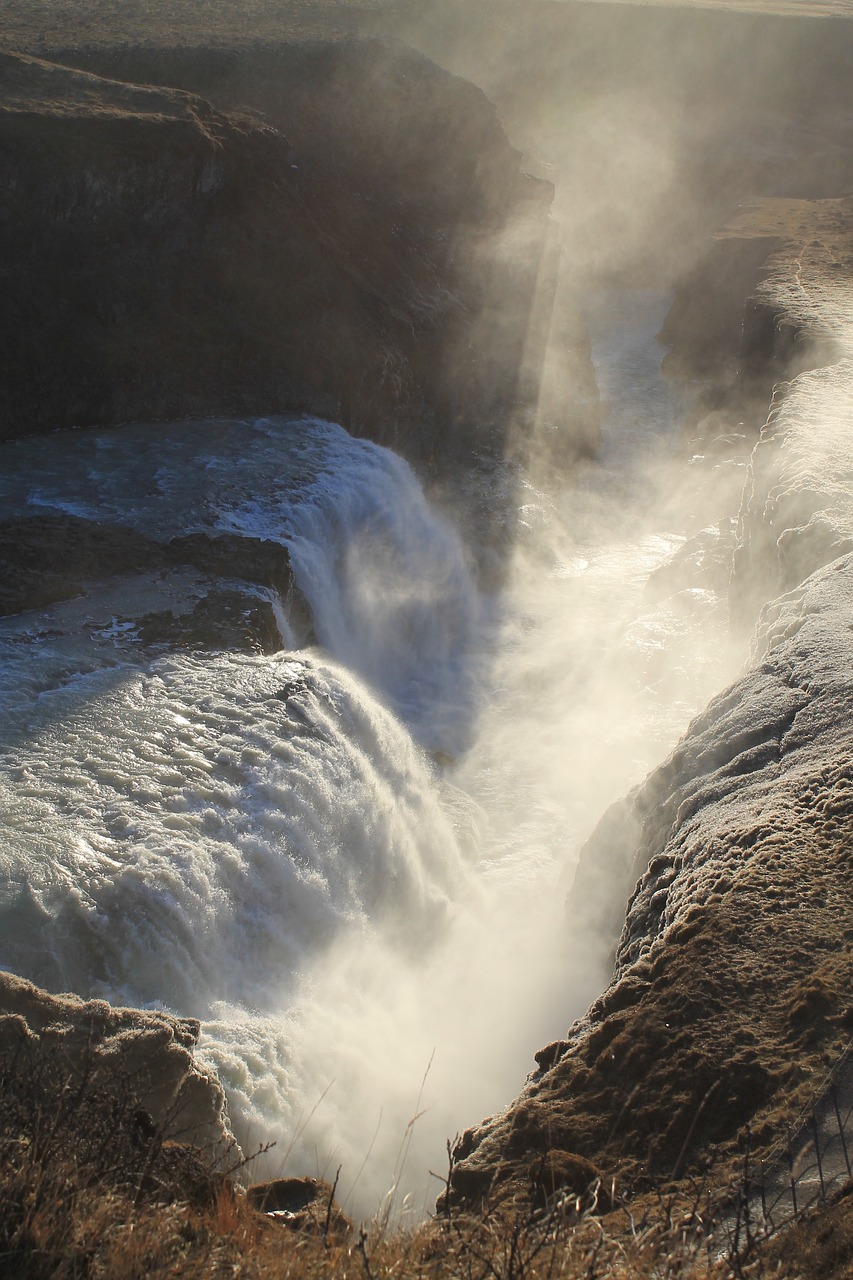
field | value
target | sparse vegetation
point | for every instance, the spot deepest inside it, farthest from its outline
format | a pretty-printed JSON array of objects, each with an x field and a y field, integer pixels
[{"x": 91, "y": 1189}]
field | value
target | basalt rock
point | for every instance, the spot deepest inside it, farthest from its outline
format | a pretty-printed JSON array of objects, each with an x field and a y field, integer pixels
[
  {"x": 326, "y": 237},
  {"x": 221, "y": 619},
  {"x": 48, "y": 559}
]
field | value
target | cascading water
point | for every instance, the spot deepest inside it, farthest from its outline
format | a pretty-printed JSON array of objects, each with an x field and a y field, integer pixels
[
  {"x": 195, "y": 829},
  {"x": 268, "y": 843}
]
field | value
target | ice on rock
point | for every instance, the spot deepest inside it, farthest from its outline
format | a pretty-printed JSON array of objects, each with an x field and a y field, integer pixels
[{"x": 797, "y": 513}]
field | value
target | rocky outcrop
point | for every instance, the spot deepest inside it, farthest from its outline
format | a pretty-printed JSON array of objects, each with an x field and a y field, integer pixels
[
  {"x": 47, "y": 559},
  {"x": 144, "y": 1061},
  {"x": 732, "y": 975},
  {"x": 313, "y": 240},
  {"x": 730, "y": 972},
  {"x": 730, "y": 322},
  {"x": 302, "y": 1204}
]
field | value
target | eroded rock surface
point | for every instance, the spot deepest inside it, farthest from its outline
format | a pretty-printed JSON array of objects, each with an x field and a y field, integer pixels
[
  {"x": 145, "y": 1060},
  {"x": 733, "y": 969},
  {"x": 227, "y": 598}
]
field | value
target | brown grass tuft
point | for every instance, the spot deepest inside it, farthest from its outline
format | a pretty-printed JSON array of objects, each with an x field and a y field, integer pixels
[{"x": 90, "y": 1190}]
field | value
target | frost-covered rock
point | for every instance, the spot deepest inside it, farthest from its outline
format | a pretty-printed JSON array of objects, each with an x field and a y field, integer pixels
[
  {"x": 732, "y": 976},
  {"x": 144, "y": 1059},
  {"x": 797, "y": 510}
]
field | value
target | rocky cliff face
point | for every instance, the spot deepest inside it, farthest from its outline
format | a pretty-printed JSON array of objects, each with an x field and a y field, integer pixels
[
  {"x": 308, "y": 242},
  {"x": 731, "y": 983},
  {"x": 732, "y": 973},
  {"x": 265, "y": 232},
  {"x": 731, "y": 968},
  {"x": 142, "y": 1060}
]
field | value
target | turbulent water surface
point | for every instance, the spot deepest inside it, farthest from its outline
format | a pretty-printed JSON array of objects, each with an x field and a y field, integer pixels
[{"x": 349, "y": 860}]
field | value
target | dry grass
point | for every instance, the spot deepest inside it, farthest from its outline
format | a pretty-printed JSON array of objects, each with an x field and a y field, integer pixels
[
  {"x": 91, "y": 1190},
  {"x": 64, "y": 1230},
  {"x": 820, "y": 1246}
]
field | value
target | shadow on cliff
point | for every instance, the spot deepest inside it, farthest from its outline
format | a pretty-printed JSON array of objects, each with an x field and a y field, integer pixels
[{"x": 338, "y": 243}]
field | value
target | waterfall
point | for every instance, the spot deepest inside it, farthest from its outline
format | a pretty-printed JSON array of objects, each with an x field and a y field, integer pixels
[
  {"x": 196, "y": 829},
  {"x": 349, "y": 860},
  {"x": 259, "y": 841},
  {"x": 387, "y": 581}
]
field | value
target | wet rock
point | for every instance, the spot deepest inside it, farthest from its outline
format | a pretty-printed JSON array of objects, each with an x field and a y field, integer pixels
[
  {"x": 52, "y": 558},
  {"x": 44, "y": 559},
  {"x": 704, "y": 561},
  {"x": 228, "y": 555},
  {"x": 223, "y": 619},
  {"x": 252, "y": 560}
]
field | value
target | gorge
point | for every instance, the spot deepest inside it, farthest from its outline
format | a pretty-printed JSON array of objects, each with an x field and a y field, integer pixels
[{"x": 386, "y": 618}]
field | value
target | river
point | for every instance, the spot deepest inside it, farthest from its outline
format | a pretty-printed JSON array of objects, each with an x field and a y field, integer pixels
[{"x": 349, "y": 858}]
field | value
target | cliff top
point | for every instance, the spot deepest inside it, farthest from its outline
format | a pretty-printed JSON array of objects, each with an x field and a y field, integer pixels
[
  {"x": 30, "y": 85},
  {"x": 34, "y": 24},
  {"x": 45, "y": 23},
  {"x": 808, "y": 277}
]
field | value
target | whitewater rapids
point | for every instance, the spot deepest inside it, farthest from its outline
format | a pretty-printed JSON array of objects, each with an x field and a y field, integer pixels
[{"x": 348, "y": 859}]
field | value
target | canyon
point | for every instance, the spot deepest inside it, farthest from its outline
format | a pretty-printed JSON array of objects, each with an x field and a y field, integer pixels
[{"x": 421, "y": 222}]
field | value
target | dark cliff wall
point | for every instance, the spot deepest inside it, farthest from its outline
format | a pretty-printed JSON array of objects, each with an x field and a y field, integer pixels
[{"x": 327, "y": 236}]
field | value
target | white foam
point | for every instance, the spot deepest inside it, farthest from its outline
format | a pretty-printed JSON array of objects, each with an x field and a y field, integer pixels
[
  {"x": 260, "y": 841},
  {"x": 797, "y": 513},
  {"x": 208, "y": 831}
]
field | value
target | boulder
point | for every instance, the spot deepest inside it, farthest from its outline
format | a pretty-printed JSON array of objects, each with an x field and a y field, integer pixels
[
  {"x": 302, "y": 1204},
  {"x": 140, "y": 1063}
]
